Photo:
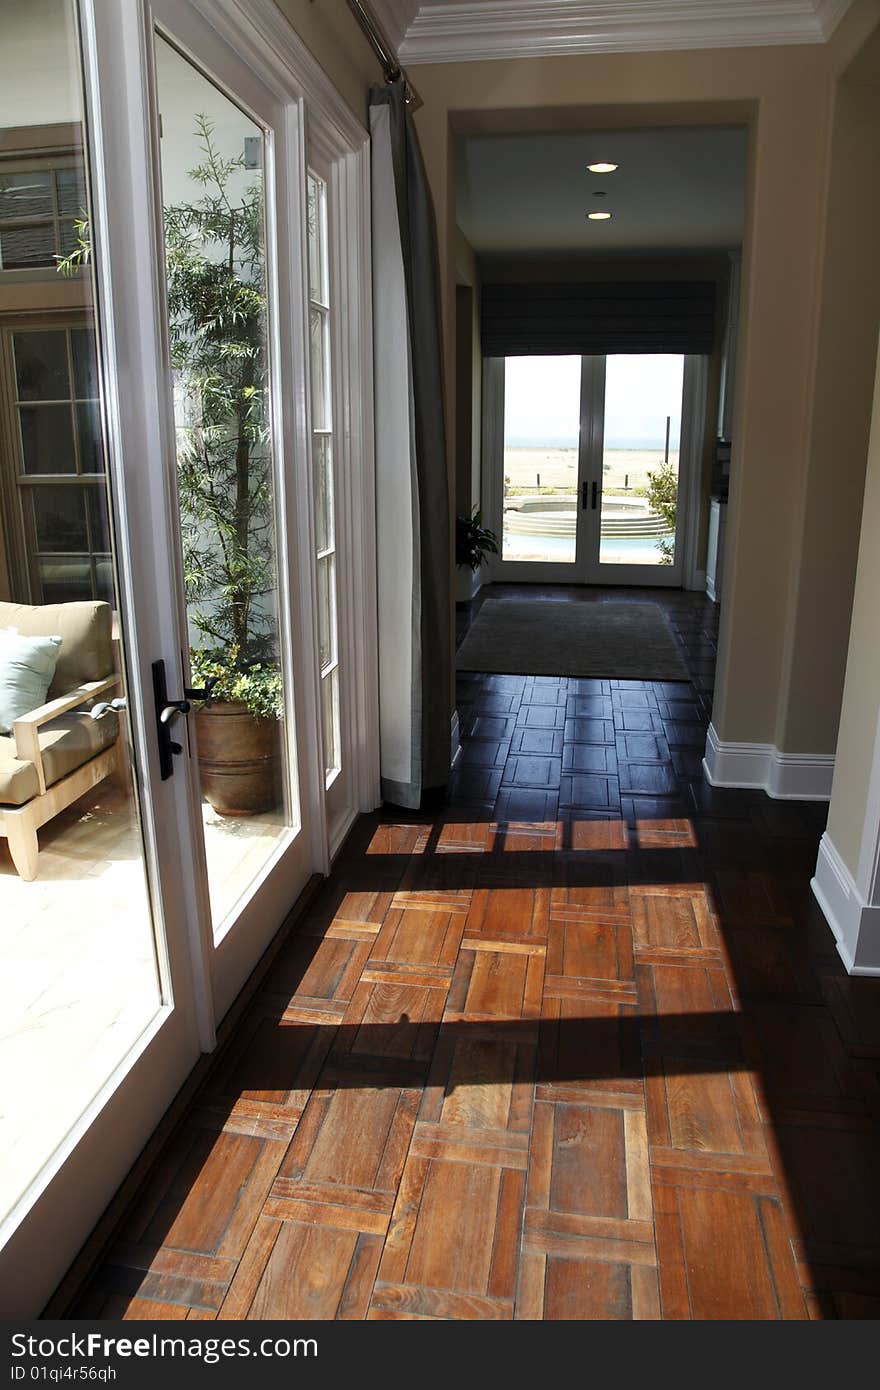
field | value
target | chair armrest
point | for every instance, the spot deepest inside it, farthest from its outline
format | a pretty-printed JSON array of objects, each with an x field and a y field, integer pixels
[{"x": 26, "y": 729}]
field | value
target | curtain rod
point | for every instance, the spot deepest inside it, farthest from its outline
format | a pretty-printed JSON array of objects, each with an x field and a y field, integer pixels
[{"x": 383, "y": 50}]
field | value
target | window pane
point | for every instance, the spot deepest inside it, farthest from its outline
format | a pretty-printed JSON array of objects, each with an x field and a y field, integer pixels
[
  {"x": 25, "y": 195},
  {"x": 65, "y": 579},
  {"x": 99, "y": 521},
  {"x": 640, "y": 459},
  {"x": 103, "y": 568},
  {"x": 330, "y": 720},
  {"x": 78, "y": 959},
  {"x": 71, "y": 191},
  {"x": 322, "y": 455},
  {"x": 41, "y": 366},
  {"x": 542, "y": 407},
  {"x": 89, "y": 436},
  {"x": 320, "y": 412},
  {"x": 317, "y": 269},
  {"x": 21, "y": 247},
  {"x": 218, "y": 300},
  {"x": 47, "y": 439},
  {"x": 85, "y": 364},
  {"x": 60, "y": 518},
  {"x": 326, "y": 623}
]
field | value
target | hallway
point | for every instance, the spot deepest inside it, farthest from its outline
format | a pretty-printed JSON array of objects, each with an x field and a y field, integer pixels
[{"x": 578, "y": 1046}]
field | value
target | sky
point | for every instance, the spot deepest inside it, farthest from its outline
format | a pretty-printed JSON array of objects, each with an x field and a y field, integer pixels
[{"x": 542, "y": 400}]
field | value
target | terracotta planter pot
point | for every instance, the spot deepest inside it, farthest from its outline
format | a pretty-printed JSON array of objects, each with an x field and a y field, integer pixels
[{"x": 239, "y": 759}]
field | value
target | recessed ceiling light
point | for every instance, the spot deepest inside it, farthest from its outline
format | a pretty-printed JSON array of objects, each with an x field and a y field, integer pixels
[
  {"x": 602, "y": 168},
  {"x": 598, "y": 216}
]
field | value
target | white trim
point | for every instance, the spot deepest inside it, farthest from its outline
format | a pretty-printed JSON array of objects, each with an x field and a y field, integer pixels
[
  {"x": 829, "y": 13},
  {"x": 762, "y": 767},
  {"x": 695, "y": 382},
  {"x": 710, "y": 588},
  {"x": 264, "y": 37},
  {"x": 868, "y": 868},
  {"x": 855, "y": 923},
  {"x": 541, "y": 28},
  {"x": 699, "y": 584}
]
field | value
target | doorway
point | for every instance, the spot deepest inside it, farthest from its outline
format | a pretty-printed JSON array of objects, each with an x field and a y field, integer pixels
[{"x": 589, "y": 464}]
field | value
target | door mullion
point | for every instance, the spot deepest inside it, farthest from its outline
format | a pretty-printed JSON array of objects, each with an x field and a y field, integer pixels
[{"x": 590, "y": 466}]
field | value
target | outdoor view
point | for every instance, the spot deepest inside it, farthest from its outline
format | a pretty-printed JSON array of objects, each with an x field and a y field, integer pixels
[
  {"x": 639, "y": 459},
  {"x": 213, "y": 194}
]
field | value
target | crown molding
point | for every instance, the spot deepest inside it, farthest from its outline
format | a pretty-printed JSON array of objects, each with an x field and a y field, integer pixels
[
  {"x": 829, "y": 14},
  {"x": 395, "y": 17},
  {"x": 489, "y": 29}
]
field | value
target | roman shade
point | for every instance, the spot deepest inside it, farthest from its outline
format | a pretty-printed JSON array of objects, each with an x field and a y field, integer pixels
[{"x": 595, "y": 318}]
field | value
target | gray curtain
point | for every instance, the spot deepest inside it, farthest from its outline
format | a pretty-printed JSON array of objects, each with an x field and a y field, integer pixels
[{"x": 412, "y": 491}]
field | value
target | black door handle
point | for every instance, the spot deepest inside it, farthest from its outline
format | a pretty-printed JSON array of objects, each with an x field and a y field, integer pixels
[
  {"x": 595, "y": 493},
  {"x": 166, "y": 712},
  {"x": 584, "y": 486}
]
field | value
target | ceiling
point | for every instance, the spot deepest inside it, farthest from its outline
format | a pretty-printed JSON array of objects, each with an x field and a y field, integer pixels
[
  {"x": 452, "y": 31},
  {"x": 678, "y": 188}
]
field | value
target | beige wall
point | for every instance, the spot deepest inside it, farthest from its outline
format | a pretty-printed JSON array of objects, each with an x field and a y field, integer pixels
[
  {"x": 787, "y": 97},
  {"x": 839, "y": 420},
  {"x": 468, "y": 379},
  {"x": 861, "y": 695}
]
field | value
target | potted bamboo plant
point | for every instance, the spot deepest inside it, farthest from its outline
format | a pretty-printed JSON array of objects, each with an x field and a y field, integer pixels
[{"x": 217, "y": 314}]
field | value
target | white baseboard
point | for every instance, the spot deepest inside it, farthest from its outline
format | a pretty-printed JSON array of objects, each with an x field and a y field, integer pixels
[
  {"x": 785, "y": 776},
  {"x": 710, "y": 588},
  {"x": 697, "y": 582},
  {"x": 455, "y": 744},
  {"x": 856, "y": 925}
]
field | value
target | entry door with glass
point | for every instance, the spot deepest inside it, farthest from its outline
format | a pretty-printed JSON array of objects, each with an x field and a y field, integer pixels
[
  {"x": 587, "y": 481},
  {"x": 229, "y": 289}
]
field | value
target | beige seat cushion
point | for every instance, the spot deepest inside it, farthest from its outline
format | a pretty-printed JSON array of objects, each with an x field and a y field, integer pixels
[
  {"x": 67, "y": 743},
  {"x": 18, "y": 780},
  {"x": 85, "y": 630}
]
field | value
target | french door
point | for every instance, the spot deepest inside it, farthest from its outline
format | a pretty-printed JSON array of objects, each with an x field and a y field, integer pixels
[
  {"x": 207, "y": 505},
  {"x": 586, "y": 469}
]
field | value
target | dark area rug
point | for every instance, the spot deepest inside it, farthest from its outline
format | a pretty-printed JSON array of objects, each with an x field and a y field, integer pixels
[{"x": 548, "y": 637}]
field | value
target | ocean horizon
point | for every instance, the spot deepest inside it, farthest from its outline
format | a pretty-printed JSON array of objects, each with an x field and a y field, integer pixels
[{"x": 615, "y": 442}]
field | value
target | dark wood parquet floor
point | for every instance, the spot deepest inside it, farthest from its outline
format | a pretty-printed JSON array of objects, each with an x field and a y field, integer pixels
[{"x": 579, "y": 1046}]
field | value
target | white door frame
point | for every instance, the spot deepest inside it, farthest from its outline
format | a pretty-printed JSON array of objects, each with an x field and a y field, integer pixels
[
  {"x": 59, "y": 1210},
  {"x": 586, "y": 567}
]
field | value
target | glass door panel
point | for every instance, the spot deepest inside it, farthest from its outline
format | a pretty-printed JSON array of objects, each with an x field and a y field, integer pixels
[
  {"x": 320, "y": 345},
  {"x": 640, "y": 461},
  {"x": 214, "y": 192},
  {"x": 542, "y": 412},
  {"x": 80, "y": 935}
]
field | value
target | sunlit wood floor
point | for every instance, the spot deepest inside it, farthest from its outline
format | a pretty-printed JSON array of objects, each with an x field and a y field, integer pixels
[
  {"x": 78, "y": 982},
  {"x": 579, "y": 1047}
]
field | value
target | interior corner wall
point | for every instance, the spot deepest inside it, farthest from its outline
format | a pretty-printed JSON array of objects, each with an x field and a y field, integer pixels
[
  {"x": 786, "y": 94},
  {"x": 840, "y": 417},
  {"x": 464, "y": 398},
  {"x": 860, "y": 710}
]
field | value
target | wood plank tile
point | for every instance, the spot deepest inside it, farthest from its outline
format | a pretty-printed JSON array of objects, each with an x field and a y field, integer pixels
[
  {"x": 414, "y": 937},
  {"x": 454, "y": 1235},
  {"x": 581, "y": 1289},
  {"x": 743, "y": 1284},
  {"x": 308, "y": 1272},
  {"x": 408, "y": 1300}
]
